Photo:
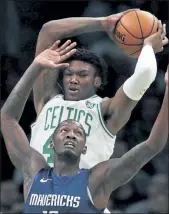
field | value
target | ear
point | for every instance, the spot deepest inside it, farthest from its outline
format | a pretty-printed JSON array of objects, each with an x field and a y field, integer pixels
[
  {"x": 51, "y": 144},
  {"x": 84, "y": 150},
  {"x": 97, "y": 82}
]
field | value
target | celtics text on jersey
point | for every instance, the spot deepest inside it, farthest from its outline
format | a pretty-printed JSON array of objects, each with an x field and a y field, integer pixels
[{"x": 100, "y": 142}]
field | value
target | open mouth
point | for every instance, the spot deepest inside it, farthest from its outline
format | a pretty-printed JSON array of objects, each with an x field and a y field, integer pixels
[
  {"x": 69, "y": 144},
  {"x": 73, "y": 89}
]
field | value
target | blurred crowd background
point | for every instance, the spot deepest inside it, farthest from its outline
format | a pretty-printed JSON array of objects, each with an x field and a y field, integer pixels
[{"x": 21, "y": 22}]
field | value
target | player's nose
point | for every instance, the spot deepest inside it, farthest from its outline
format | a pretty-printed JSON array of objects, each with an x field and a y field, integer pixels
[
  {"x": 74, "y": 79},
  {"x": 71, "y": 135}
]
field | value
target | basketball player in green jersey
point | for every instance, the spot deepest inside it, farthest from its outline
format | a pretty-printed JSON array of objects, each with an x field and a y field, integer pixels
[{"x": 101, "y": 118}]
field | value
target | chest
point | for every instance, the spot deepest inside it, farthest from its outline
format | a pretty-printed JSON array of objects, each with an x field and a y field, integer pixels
[
  {"x": 57, "y": 111},
  {"x": 58, "y": 195}
]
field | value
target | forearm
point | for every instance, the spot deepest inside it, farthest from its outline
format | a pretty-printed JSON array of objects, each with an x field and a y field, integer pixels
[
  {"x": 144, "y": 74},
  {"x": 16, "y": 101},
  {"x": 159, "y": 134},
  {"x": 131, "y": 162},
  {"x": 64, "y": 28},
  {"x": 133, "y": 89},
  {"x": 123, "y": 169},
  {"x": 137, "y": 157}
]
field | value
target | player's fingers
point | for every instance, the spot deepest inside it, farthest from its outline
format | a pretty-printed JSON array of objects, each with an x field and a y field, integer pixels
[
  {"x": 62, "y": 65},
  {"x": 64, "y": 45},
  {"x": 52, "y": 65},
  {"x": 68, "y": 48},
  {"x": 129, "y": 10},
  {"x": 55, "y": 45},
  {"x": 160, "y": 27},
  {"x": 164, "y": 31},
  {"x": 126, "y": 11},
  {"x": 67, "y": 55},
  {"x": 165, "y": 41},
  {"x": 161, "y": 49}
]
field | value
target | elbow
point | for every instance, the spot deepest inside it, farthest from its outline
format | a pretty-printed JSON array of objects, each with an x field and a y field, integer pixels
[
  {"x": 4, "y": 113},
  {"x": 6, "y": 121},
  {"x": 156, "y": 145},
  {"x": 46, "y": 28},
  {"x": 5, "y": 117},
  {"x": 43, "y": 31}
]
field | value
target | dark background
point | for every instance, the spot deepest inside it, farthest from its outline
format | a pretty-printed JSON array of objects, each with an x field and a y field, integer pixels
[{"x": 20, "y": 23}]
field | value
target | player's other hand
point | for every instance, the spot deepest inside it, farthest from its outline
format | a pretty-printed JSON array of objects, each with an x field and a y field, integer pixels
[
  {"x": 55, "y": 56},
  {"x": 109, "y": 23},
  {"x": 158, "y": 40}
]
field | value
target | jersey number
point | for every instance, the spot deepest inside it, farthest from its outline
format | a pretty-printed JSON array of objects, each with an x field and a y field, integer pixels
[
  {"x": 50, "y": 212},
  {"x": 48, "y": 151}
]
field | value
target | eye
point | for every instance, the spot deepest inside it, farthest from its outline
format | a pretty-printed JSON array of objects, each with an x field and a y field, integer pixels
[
  {"x": 63, "y": 130},
  {"x": 79, "y": 133},
  {"x": 83, "y": 74},
  {"x": 68, "y": 73}
]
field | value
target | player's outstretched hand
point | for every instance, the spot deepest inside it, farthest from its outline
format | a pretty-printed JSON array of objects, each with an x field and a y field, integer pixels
[
  {"x": 55, "y": 56},
  {"x": 158, "y": 40},
  {"x": 110, "y": 22}
]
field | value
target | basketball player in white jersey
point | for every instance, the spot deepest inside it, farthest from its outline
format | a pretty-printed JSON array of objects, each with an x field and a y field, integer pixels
[{"x": 86, "y": 73}]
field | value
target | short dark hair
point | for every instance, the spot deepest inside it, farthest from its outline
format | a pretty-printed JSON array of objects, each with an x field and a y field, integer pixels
[{"x": 91, "y": 58}]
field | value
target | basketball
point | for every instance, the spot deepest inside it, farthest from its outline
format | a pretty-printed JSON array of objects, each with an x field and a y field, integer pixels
[{"x": 132, "y": 29}]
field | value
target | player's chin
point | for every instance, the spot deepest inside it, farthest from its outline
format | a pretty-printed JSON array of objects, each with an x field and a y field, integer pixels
[
  {"x": 73, "y": 96},
  {"x": 70, "y": 154}
]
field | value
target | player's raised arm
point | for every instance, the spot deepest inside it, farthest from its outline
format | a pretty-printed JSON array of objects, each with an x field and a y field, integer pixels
[
  {"x": 111, "y": 174},
  {"x": 119, "y": 108},
  {"x": 45, "y": 86},
  {"x": 21, "y": 154}
]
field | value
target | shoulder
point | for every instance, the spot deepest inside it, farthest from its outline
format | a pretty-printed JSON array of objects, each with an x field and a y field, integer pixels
[{"x": 58, "y": 96}]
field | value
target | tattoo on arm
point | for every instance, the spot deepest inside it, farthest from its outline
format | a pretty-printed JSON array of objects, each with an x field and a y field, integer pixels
[
  {"x": 16, "y": 142},
  {"x": 24, "y": 157},
  {"x": 27, "y": 184},
  {"x": 123, "y": 169}
]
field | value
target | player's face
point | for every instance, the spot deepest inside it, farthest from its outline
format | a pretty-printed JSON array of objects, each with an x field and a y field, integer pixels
[
  {"x": 79, "y": 80},
  {"x": 70, "y": 140}
]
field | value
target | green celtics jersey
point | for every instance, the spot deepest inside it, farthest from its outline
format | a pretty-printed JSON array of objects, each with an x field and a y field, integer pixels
[{"x": 100, "y": 142}]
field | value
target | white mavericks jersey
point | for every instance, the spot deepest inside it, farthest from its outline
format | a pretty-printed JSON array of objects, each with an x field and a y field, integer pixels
[{"x": 100, "y": 142}]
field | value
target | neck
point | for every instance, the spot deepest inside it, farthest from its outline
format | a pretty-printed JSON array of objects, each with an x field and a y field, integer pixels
[
  {"x": 83, "y": 98},
  {"x": 65, "y": 167}
]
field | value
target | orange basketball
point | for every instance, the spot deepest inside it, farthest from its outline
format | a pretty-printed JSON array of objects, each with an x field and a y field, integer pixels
[{"x": 132, "y": 29}]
